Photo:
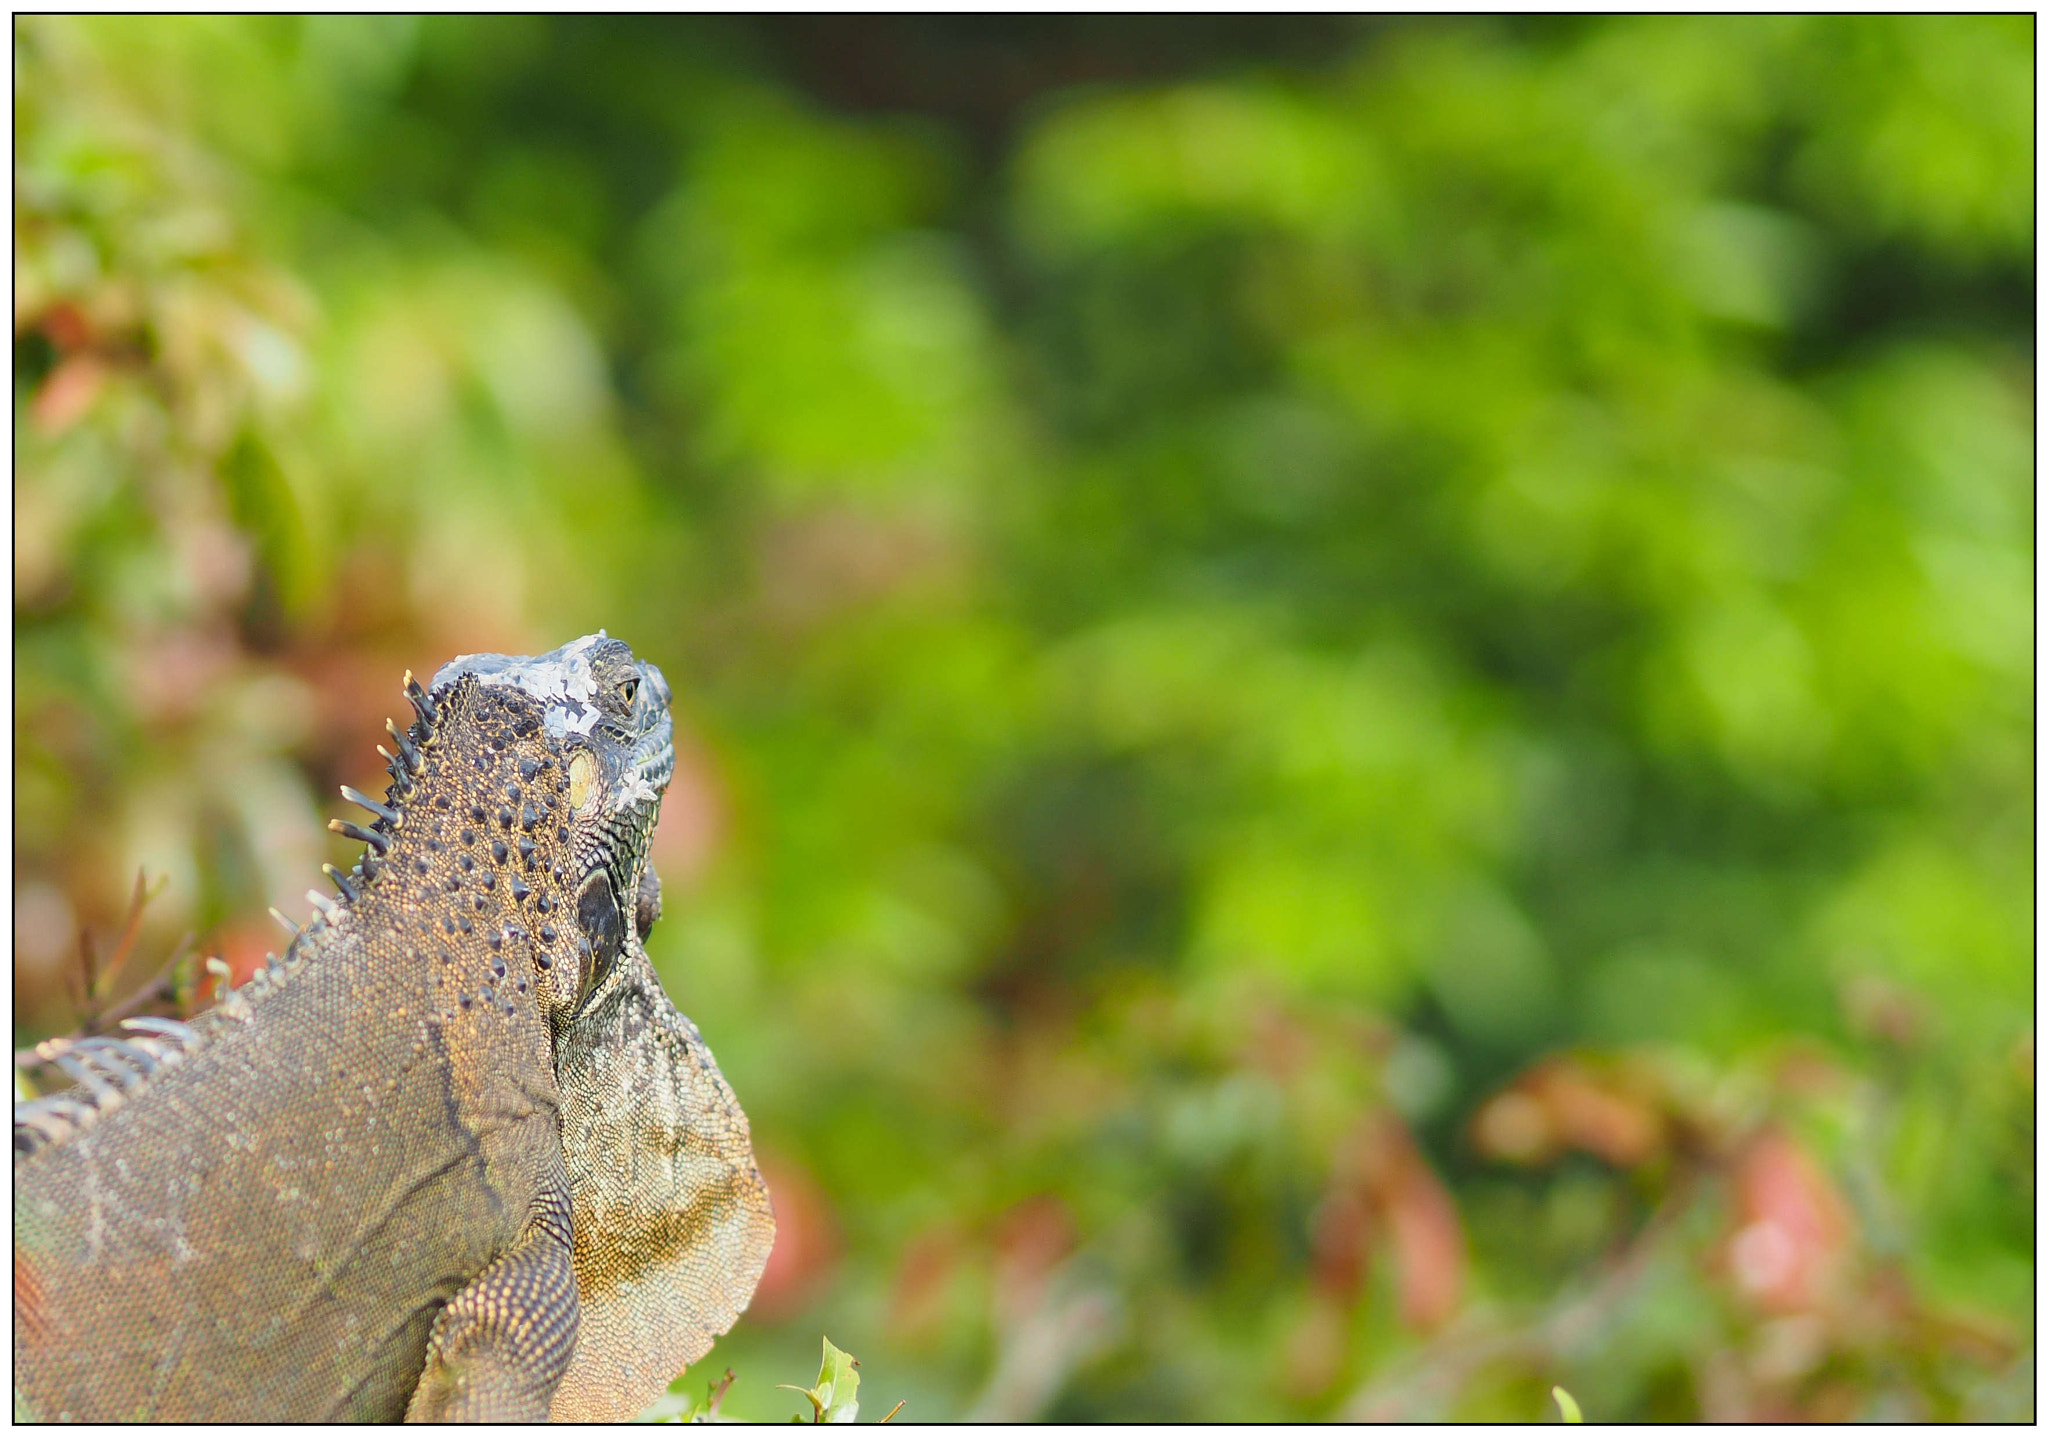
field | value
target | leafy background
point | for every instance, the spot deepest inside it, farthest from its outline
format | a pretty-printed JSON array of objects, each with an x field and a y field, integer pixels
[{"x": 1356, "y": 696}]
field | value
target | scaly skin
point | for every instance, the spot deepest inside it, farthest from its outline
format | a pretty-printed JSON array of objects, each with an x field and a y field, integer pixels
[{"x": 454, "y": 1157}]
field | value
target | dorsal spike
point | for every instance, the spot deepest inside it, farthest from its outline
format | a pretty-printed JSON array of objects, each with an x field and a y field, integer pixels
[
  {"x": 160, "y": 1027},
  {"x": 142, "y": 1059},
  {"x": 379, "y": 841},
  {"x": 406, "y": 746},
  {"x": 122, "y": 1062},
  {"x": 67, "y": 1106},
  {"x": 289, "y": 926},
  {"x": 363, "y": 800},
  {"x": 48, "y": 1120},
  {"x": 341, "y": 881},
  {"x": 401, "y": 774},
  {"x": 421, "y": 700},
  {"x": 84, "y": 1073}
]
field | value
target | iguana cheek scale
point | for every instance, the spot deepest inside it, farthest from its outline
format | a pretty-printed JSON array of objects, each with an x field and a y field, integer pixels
[{"x": 455, "y": 1155}]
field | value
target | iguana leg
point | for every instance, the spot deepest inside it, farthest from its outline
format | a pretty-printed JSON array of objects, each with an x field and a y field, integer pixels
[{"x": 500, "y": 1346}]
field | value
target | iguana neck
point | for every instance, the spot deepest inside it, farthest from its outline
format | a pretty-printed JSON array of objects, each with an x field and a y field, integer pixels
[{"x": 460, "y": 896}]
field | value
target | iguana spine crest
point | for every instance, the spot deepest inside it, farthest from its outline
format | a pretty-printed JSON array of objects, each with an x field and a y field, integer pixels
[{"x": 111, "y": 1070}]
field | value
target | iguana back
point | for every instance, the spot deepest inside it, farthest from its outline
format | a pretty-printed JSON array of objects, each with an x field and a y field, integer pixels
[{"x": 343, "y": 1193}]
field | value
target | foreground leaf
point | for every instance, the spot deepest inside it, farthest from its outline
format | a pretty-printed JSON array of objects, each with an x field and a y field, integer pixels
[{"x": 834, "y": 1399}]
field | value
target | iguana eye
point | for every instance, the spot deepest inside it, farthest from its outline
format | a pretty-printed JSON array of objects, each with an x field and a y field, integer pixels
[{"x": 627, "y": 689}]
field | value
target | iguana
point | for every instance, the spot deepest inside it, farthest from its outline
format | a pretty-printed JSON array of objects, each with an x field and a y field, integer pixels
[{"x": 454, "y": 1155}]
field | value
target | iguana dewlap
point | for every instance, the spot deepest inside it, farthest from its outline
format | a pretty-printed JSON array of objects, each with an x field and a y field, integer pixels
[{"x": 454, "y": 1156}]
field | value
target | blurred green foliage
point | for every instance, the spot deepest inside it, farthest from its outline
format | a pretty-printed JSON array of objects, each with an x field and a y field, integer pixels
[{"x": 1358, "y": 701}]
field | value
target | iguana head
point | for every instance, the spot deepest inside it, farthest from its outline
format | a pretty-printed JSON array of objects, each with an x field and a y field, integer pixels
[
  {"x": 671, "y": 1219},
  {"x": 607, "y": 716}
]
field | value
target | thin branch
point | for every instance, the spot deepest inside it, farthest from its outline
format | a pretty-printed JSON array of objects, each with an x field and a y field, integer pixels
[
  {"x": 161, "y": 986},
  {"x": 130, "y": 927},
  {"x": 1452, "y": 1359},
  {"x": 717, "y": 1394}
]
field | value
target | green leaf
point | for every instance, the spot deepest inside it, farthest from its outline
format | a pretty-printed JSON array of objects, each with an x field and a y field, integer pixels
[
  {"x": 1566, "y": 1405},
  {"x": 834, "y": 1398},
  {"x": 838, "y": 1384}
]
